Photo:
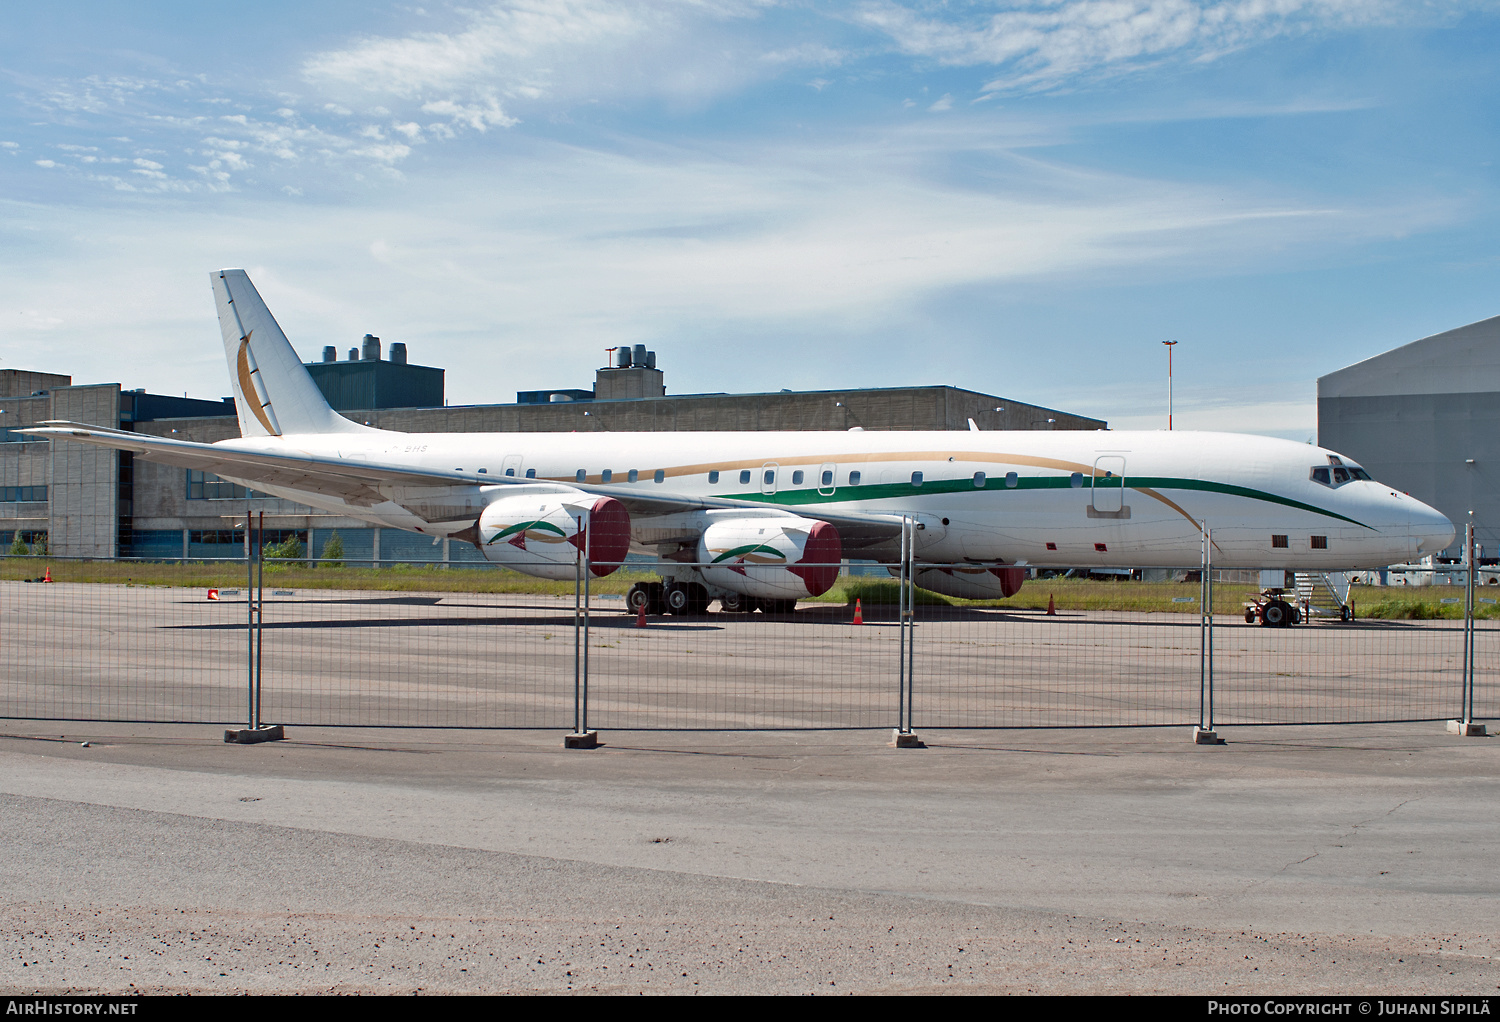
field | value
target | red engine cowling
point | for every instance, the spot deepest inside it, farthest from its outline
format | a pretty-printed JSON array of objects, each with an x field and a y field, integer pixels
[
  {"x": 971, "y": 583},
  {"x": 542, "y": 534},
  {"x": 772, "y": 558}
]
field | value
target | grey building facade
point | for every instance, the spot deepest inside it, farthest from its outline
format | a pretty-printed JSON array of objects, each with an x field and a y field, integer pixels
[
  {"x": 95, "y": 502},
  {"x": 1424, "y": 418}
]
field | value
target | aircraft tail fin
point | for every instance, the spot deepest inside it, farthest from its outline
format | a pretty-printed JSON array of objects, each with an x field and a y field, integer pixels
[{"x": 273, "y": 393}]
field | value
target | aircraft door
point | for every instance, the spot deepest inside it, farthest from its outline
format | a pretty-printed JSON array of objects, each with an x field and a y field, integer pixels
[
  {"x": 1109, "y": 484},
  {"x": 511, "y": 466},
  {"x": 827, "y": 479}
]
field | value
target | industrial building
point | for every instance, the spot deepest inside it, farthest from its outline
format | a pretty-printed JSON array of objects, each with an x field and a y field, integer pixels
[
  {"x": 1425, "y": 418},
  {"x": 85, "y": 501}
]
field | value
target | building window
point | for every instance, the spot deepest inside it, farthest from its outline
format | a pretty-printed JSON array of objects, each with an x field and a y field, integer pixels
[
  {"x": 207, "y": 486},
  {"x": 229, "y": 536},
  {"x": 713, "y": 478},
  {"x": 1278, "y": 542},
  {"x": 15, "y": 494},
  {"x": 1320, "y": 542}
]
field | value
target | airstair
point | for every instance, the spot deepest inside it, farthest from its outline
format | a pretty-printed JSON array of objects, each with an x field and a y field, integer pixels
[{"x": 1325, "y": 594}]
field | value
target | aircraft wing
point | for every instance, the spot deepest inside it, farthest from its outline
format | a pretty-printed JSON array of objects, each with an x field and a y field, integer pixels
[{"x": 359, "y": 481}]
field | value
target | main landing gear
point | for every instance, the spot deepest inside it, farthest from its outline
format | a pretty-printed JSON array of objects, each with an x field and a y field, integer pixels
[
  {"x": 1272, "y": 611},
  {"x": 691, "y": 599}
]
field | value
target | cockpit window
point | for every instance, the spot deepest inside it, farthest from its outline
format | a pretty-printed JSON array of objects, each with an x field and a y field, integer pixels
[{"x": 1337, "y": 472}]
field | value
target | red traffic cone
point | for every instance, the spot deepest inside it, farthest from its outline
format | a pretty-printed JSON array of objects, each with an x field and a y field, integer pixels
[
  {"x": 47, "y": 577},
  {"x": 640, "y": 616},
  {"x": 859, "y": 614},
  {"x": 213, "y": 594},
  {"x": 1051, "y": 606}
]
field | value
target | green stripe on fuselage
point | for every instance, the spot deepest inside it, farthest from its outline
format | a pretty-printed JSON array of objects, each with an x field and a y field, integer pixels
[{"x": 896, "y": 491}]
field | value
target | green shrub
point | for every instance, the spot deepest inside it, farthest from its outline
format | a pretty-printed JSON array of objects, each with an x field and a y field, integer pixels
[
  {"x": 333, "y": 552},
  {"x": 18, "y": 547}
]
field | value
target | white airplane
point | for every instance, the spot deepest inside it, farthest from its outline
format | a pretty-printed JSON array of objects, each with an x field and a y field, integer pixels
[{"x": 761, "y": 519}]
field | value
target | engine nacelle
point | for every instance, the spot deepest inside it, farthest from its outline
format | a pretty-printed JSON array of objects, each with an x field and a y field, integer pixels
[
  {"x": 971, "y": 583},
  {"x": 772, "y": 558},
  {"x": 542, "y": 534}
]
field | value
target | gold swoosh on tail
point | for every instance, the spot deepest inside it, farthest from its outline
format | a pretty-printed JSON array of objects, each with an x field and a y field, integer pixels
[{"x": 247, "y": 386}]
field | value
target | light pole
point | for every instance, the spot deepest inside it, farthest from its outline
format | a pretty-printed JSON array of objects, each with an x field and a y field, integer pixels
[{"x": 1169, "y": 382}]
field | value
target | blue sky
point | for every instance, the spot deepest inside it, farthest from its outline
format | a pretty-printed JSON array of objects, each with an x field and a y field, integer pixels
[{"x": 1022, "y": 198}]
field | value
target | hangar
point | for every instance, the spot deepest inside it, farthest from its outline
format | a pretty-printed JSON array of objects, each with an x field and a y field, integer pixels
[
  {"x": 1425, "y": 418},
  {"x": 81, "y": 501}
]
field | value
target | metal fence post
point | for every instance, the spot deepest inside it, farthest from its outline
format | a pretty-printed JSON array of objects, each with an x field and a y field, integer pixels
[
  {"x": 1464, "y": 724},
  {"x": 582, "y": 737},
  {"x": 906, "y": 603},
  {"x": 1204, "y": 733},
  {"x": 255, "y": 619}
]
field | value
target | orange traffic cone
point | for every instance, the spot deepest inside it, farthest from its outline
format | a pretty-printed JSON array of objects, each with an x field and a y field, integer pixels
[
  {"x": 47, "y": 577},
  {"x": 213, "y": 594},
  {"x": 640, "y": 616},
  {"x": 859, "y": 614},
  {"x": 1051, "y": 606}
]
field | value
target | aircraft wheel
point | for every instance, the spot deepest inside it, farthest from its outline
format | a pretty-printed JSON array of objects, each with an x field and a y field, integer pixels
[
  {"x": 675, "y": 597},
  {"x": 1276, "y": 614},
  {"x": 735, "y": 603},
  {"x": 1345, "y": 614},
  {"x": 639, "y": 596},
  {"x": 1296, "y": 615}
]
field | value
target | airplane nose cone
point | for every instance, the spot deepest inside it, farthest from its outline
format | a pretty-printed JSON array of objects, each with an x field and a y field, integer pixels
[{"x": 1431, "y": 530}]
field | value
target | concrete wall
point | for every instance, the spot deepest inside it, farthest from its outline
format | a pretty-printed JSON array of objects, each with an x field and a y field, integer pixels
[
  {"x": 1421, "y": 444},
  {"x": 84, "y": 488}
]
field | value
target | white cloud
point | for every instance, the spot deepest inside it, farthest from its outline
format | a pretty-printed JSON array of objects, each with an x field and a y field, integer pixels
[
  {"x": 946, "y": 103},
  {"x": 1041, "y": 43}
]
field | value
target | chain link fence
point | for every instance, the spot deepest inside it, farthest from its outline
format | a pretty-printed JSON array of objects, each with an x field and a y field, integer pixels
[{"x": 483, "y": 647}]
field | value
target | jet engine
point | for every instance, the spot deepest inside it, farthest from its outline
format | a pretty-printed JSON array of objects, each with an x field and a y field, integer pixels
[
  {"x": 541, "y": 534},
  {"x": 771, "y": 558},
  {"x": 971, "y": 583}
]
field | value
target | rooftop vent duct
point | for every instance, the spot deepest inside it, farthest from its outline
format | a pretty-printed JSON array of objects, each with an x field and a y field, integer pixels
[
  {"x": 330, "y": 353},
  {"x": 371, "y": 348},
  {"x": 398, "y": 353}
]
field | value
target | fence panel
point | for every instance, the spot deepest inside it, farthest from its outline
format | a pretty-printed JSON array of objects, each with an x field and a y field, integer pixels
[
  {"x": 1115, "y": 652},
  {"x": 762, "y": 670}
]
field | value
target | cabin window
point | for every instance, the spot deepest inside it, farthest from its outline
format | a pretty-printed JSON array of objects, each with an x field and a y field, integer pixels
[
  {"x": 606, "y": 475},
  {"x": 1320, "y": 474},
  {"x": 1101, "y": 548},
  {"x": 797, "y": 478},
  {"x": 745, "y": 477},
  {"x": 854, "y": 478},
  {"x": 659, "y": 476},
  {"x": 770, "y": 477},
  {"x": 483, "y": 471},
  {"x": 633, "y": 475},
  {"x": 1319, "y": 542},
  {"x": 978, "y": 480},
  {"x": 828, "y": 477},
  {"x": 1051, "y": 546},
  {"x": 509, "y": 471},
  {"x": 916, "y": 478},
  {"x": 1012, "y": 480},
  {"x": 713, "y": 478},
  {"x": 1278, "y": 542},
  {"x": 531, "y": 473},
  {"x": 1077, "y": 480},
  {"x": 581, "y": 475}
]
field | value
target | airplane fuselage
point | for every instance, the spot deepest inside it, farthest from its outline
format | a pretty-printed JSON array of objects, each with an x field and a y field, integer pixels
[{"x": 1075, "y": 499}]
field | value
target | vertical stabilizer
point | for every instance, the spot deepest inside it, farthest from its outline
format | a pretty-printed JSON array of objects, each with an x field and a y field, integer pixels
[{"x": 273, "y": 393}]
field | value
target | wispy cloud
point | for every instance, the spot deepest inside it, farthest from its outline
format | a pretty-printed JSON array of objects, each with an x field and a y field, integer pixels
[{"x": 1044, "y": 43}]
